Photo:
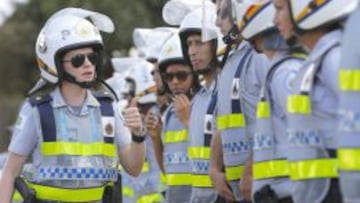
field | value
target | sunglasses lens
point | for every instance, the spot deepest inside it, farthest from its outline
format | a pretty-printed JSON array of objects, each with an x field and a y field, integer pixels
[
  {"x": 78, "y": 60},
  {"x": 93, "y": 58},
  {"x": 168, "y": 77},
  {"x": 181, "y": 76}
]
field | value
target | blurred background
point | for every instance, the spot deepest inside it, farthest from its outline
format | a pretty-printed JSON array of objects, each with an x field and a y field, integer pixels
[{"x": 20, "y": 22}]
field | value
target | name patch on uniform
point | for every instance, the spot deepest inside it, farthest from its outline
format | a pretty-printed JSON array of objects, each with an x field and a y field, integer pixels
[{"x": 108, "y": 126}]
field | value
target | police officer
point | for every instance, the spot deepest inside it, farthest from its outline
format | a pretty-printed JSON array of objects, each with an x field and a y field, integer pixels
[
  {"x": 312, "y": 107},
  {"x": 239, "y": 87},
  {"x": 154, "y": 40},
  {"x": 74, "y": 138},
  {"x": 180, "y": 82},
  {"x": 270, "y": 169},
  {"x": 349, "y": 112},
  {"x": 147, "y": 185},
  {"x": 201, "y": 55}
]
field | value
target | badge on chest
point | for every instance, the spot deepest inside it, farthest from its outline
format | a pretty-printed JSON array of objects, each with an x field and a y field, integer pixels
[
  {"x": 108, "y": 126},
  {"x": 235, "y": 89}
]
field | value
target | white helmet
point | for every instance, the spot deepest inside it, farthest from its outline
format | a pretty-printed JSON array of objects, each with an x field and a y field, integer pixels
[
  {"x": 122, "y": 68},
  {"x": 140, "y": 35},
  {"x": 174, "y": 11},
  {"x": 311, "y": 14},
  {"x": 145, "y": 92},
  {"x": 151, "y": 40},
  {"x": 257, "y": 19},
  {"x": 201, "y": 21},
  {"x": 171, "y": 53},
  {"x": 145, "y": 85},
  {"x": 68, "y": 29}
]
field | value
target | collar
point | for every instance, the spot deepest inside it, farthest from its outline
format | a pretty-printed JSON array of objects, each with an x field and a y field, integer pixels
[
  {"x": 325, "y": 42},
  {"x": 58, "y": 101}
]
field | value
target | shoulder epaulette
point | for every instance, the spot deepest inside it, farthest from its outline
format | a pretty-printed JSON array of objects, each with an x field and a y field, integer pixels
[
  {"x": 103, "y": 94},
  {"x": 36, "y": 100}
]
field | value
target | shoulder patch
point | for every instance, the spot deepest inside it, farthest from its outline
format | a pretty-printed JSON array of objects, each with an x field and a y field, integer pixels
[
  {"x": 39, "y": 99},
  {"x": 290, "y": 80},
  {"x": 19, "y": 124}
]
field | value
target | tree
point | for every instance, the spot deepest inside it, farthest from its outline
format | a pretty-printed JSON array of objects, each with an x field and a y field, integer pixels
[{"x": 18, "y": 70}]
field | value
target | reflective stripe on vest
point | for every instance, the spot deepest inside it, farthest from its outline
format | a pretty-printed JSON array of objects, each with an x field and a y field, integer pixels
[
  {"x": 150, "y": 198},
  {"x": 231, "y": 121},
  {"x": 146, "y": 167},
  {"x": 17, "y": 196},
  {"x": 175, "y": 136},
  {"x": 197, "y": 153},
  {"x": 349, "y": 80},
  {"x": 270, "y": 169},
  {"x": 201, "y": 181},
  {"x": 178, "y": 179},
  {"x": 313, "y": 169},
  {"x": 234, "y": 173},
  {"x": 263, "y": 110},
  {"x": 299, "y": 104},
  {"x": 348, "y": 159},
  {"x": 127, "y": 191},
  {"x": 68, "y": 195},
  {"x": 78, "y": 149}
]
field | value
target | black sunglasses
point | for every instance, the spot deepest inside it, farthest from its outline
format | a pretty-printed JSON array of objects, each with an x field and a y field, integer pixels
[
  {"x": 79, "y": 59},
  {"x": 181, "y": 76}
]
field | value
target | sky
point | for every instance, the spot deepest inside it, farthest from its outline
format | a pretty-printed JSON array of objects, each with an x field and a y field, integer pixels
[{"x": 7, "y": 8}]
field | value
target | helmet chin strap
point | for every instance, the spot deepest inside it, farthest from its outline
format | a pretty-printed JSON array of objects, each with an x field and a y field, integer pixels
[
  {"x": 291, "y": 41},
  {"x": 208, "y": 69},
  {"x": 72, "y": 79},
  {"x": 232, "y": 35}
]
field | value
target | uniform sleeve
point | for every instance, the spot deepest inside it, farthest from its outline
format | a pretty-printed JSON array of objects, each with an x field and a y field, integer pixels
[
  {"x": 350, "y": 46},
  {"x": 24, "y": 138},
  {"x": 330, "y": 69},
  {"x": 122, "y": 133}
]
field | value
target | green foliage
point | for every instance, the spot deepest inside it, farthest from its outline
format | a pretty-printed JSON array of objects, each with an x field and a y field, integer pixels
[{"x": 18, "y": 72}]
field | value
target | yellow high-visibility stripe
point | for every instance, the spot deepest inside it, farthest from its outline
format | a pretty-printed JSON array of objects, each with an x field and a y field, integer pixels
[
  {"x": 76, "y": 148},
  {"x": 162, "y": 178},
  {"x": 313, "y": 169},
  {"x": 270, "y": 169},
  {"x": 234, "y": 172},
  {"x": 178, "y": 179},
  {"x": 348, "y": 159},
  {"x": 299, "y": 104},
  {"x": 349, "y": 80},
  {"x": 175, "y": 136},
  {"x": 68, "y": 195},
  {"x": 17, "y": 196},
  {"x": 201, "y": 181},
  {"x": 150, "y": 198},
  {"x": 199, "y": 152},
  {"x": 146, "y": 167},
  {"x": 230, "y": 121},
  {"x": 127, "y": 191},
  {"x": 263, "y": 110}
]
